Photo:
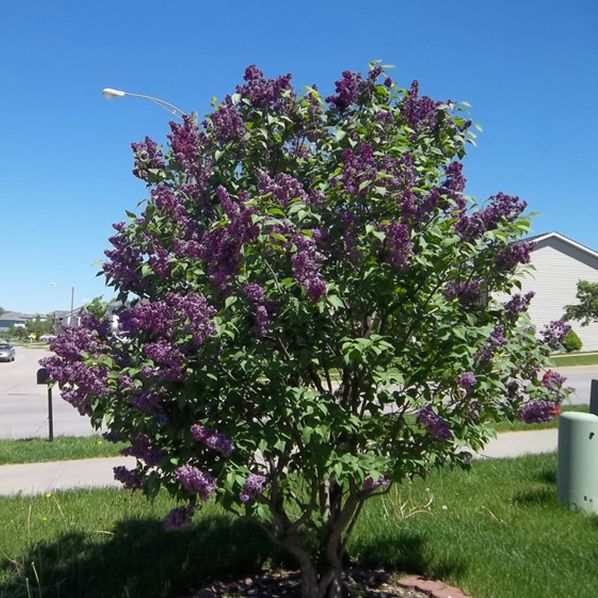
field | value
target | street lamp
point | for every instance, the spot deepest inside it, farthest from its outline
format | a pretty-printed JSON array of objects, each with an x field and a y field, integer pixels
[
  {"x": 70, "y": 320},
  {"x": 111, "y": 93}
]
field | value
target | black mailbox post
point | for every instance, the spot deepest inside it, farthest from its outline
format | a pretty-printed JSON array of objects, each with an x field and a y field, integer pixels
[{"x": 43, "y": 377}]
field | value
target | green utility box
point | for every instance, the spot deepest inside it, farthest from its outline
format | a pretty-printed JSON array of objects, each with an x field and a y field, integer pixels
[{"x": 577, "y": 470}]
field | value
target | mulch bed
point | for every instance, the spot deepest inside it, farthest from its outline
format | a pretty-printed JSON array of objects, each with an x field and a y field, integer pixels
[{"x": 358, "y": 582}]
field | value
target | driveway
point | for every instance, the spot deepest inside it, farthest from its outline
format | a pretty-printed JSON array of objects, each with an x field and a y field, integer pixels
[{"x": 24, "y": 404}]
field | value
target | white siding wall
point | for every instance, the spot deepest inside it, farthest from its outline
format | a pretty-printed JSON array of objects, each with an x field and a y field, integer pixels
[{"x": 558, "y": 269}]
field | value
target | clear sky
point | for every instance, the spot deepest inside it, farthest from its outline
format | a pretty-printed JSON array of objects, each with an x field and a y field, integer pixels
[{"x": 528, "y": 67}]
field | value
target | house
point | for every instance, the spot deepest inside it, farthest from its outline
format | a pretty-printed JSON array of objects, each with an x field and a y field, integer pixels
[
  {"x": 560, "y": 263},
  {"x": 13, "y": 318}
]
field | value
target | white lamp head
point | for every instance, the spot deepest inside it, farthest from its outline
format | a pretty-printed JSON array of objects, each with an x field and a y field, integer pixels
[{"x": 109, "y": 93}]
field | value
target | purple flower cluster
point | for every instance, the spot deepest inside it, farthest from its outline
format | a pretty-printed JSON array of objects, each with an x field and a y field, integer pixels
[
  {"x": 186, "y": 141},
  {"x": 500, "y": 207},
  {"x": 554, "y": 382},
  {"x": 76, "y": 379},
  {"x": 148, "y": 157},
  {"x": 359, "y": 168},
  {"x": 306, "y": 266},
  {"x": 466, "y": 291},
  {"x": 150, "y": 402},
  {"x": 468, "y": 380},
  {"x": 169, "y": 204},
  {"x": 492, "y": 344},
  {"x": 254, "y": 485},
  {"x": 436, "y": 425},
  {"x": 195, "y": 480},
  {"x": 129, "y": 478},
  {"x": 419, "y": 111},
  {"x": 254, "y": 292},
  {"x": 213, "y": 439},
  {"x": 283, "y": 187},
  {"x": 179, "y": 517},
  {"x": 166, "y": 354},
  {"x": 227, "y": 123},
  {"x": 536, "y": 411},
  {"x": 124, "y": 260},
  {"x": 399, "y": 244},
  {"x": 454, "y": 181},
  {"x": 554, "y": 333},
  {"x": 261, "y": 91},
  {"x": 155, "y": 318},
  {"x": 72, "y": 341},
  {"x": 348, "y": 89},
  {"x": 195, "y": 310},
  {"x": 143, "y": 447},
  {"x": 381, "y": 482},
  {"x": 515, "y": 254},
  {"x": 221, "y": 247},
  {"x": 517, "y": 305}
]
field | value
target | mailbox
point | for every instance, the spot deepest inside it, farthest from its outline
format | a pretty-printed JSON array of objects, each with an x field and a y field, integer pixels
[{"x": 43, "y": 376}]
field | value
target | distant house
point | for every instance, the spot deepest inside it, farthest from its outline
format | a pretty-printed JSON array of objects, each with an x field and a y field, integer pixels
[
  {"x": 14, "y": 318},
  {"x": 559, "y": 264}
]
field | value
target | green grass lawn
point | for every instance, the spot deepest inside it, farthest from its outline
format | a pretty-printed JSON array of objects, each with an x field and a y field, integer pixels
[
  {"x": 576, "y": 359},
  {"x": 84, "y": 447},
  {"x": 32, "y": 450},
  {"x": 495, "y": 531}
]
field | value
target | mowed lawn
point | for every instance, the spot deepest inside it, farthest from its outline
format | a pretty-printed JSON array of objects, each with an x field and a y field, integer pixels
[{"x": 496, "y": 531}]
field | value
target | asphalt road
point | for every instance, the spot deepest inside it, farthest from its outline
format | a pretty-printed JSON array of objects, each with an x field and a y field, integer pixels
[{"x": 24, "y": 405}]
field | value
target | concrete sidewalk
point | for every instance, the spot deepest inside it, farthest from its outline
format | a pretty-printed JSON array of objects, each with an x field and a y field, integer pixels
[{"x": 37, "y": 478}]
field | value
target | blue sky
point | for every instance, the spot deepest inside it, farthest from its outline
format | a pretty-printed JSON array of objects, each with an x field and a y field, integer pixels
[{"x": 529, "y": 68}]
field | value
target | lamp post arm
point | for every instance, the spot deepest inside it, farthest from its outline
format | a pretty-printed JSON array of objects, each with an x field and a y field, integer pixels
[{"x": 159, "y": 102}]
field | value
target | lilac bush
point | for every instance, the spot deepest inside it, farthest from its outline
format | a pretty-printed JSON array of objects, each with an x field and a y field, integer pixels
[{"x": 310, "y": 311}]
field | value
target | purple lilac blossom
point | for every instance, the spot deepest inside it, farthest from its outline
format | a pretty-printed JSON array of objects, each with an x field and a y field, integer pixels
[
  {"x": 348, "y": 88},
  {"x": 261, "y": 91},
  {"x": 467, "y": 291},
  {"x": 179, "y": 517},
  {"x": 196, "y": 311},
  {"x": 124, "y": 260},
  {"x": 253, "y": 486},
  {"x": 254, "y": 292},
  {"x": 144, "y": 448},
  {"x": 129, "y": 478},
  {"x": 283, "y": 187},
  {"x": 492, "y": 344},
  {"x": 155, "y": 318},
  {"x": 468, "y": 380},
  {"x": 436, "y": 425},
  {"x": 536, "y": 411},
  {"x": 213, "y": 439},
  {"x": 517, "y": 305},
  {"x": 147, "y": 157},
  {"x": 166, "y": 354},
  {"x": 227, "y": 123},
  {"x": 186, "y": 141},
  {"x": 399, "y": 244},
  {"x": 306, "y": 266},
  {"x": 515, "y": 254},
  {"x": 554, "y": 333},
  {"x": 419, "y": 111},
  {"x": 195, "y": 480},
  {"x": 381, "y": 482},
  {"x": 359, "y": 170}
]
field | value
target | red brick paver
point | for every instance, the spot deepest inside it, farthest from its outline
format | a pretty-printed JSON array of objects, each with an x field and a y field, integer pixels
[{"x": 433, "y": 588}]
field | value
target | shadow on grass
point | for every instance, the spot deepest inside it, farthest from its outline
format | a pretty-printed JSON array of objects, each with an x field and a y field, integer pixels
[
  {"x": 548, "y": 476},
  {"x": 537, "y": 496},
  {"x": 405, "y": 551},
  {"x": 138, "y": 559}
]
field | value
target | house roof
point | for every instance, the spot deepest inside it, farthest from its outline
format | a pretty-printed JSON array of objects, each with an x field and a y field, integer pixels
[
  {"x": 553, "y": 235},
  {"x": 15, "y": 316}
]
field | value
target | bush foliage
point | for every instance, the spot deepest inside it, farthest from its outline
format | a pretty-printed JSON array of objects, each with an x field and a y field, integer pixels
[{"x": 310, "y": 311}]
